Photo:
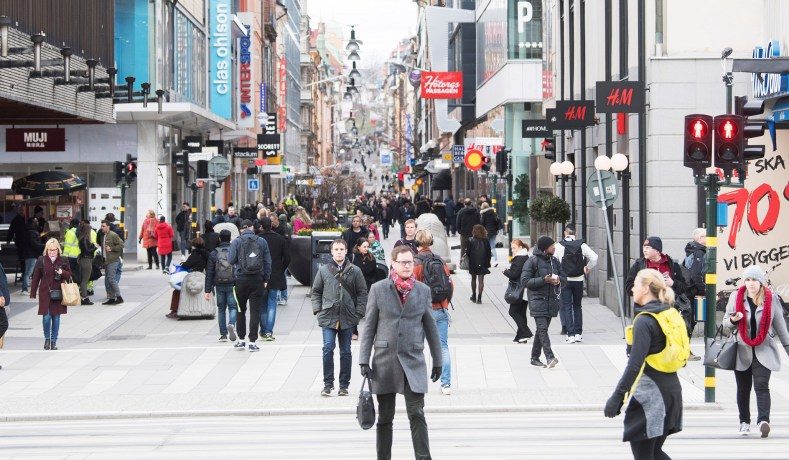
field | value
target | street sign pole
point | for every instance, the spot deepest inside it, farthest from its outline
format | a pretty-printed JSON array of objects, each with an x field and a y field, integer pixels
[{"x": 603, "y": 201}]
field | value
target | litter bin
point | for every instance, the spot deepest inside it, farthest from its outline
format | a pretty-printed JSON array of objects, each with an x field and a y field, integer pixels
[{"x": 321, "y": 250}]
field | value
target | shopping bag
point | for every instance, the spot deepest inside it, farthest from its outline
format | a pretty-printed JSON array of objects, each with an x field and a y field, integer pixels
[
  {"x": 514, "y": 292},
  {"x": 365, "y": 409},
  {"x": 464, "y": 262},
  {"x": 70, "y": 292},
  {"x": 177, "y": 278},
  {"x": 721, "y": 352}
]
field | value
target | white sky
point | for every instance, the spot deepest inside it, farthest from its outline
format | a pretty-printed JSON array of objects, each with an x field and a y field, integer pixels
[{"x": 380, "y": 24}]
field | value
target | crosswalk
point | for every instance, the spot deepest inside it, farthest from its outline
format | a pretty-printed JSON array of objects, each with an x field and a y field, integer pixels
[{"x": 525, "y": 435}]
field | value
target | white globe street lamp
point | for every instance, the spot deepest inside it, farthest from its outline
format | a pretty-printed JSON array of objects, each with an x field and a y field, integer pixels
[
  {"x": 619, "y": 162},
  {"x": 567, "y": 168},
  {"x": 602, "y": 163}
]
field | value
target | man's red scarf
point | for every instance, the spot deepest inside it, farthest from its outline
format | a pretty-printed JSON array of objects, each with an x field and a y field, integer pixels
[{"x": 764, "y": 324}]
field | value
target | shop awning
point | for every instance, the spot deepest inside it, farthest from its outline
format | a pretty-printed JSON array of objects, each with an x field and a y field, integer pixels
[{"x": 185, "y": 114}]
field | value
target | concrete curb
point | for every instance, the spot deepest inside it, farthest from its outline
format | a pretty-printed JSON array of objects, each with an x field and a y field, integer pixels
[{"x": 126, "y": 415}]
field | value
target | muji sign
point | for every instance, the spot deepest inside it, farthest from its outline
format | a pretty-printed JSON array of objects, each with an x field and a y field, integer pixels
[
  {"x": 35, "y": 139},
  {"x": 442, "y": 85}
]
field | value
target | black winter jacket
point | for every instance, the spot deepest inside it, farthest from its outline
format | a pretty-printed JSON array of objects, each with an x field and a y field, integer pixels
[
  {"x": 490, "y": 221},
  {"x": 544, "y": 298},
  {"x": 197, "y": 260},
  {"x": 279, "y": 248},
  {"x": 479, "y": 254},
  {"x": 679, "y": 287},
  {"x": 516, "y": 268},
  {"x": 698, "y": 269},
  {"x": 467, "y": 218}
]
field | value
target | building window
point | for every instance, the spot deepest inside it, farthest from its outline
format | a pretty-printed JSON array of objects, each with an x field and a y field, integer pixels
[
  {"x": 524, "y": 20},
  {"x": 189, "y": 61}
]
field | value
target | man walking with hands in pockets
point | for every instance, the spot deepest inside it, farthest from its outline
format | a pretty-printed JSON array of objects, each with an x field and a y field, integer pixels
[{"x": 398, "y": 320}]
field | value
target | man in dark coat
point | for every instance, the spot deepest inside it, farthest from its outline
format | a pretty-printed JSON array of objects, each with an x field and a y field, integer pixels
[
  {"x": 398, "y": 320},
  {"x": 352, "y": 234},
  {"x": 543, "y": 277},
  {"x": 183, "y": 222},
  {"x": 339, "y": 296},
  {"x": 652, "y": 250},
  {"x": 450, "y": 223},
  {"x": 279, "y": 248},
  {"x": 467, "y": 218}
]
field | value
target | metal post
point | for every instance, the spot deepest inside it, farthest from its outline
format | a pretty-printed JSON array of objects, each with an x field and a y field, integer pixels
[
  {"x": 92, "y": 63},
  {"x": 37, "y": 40},
  {"x": 510, "y": 223},
  {"x": 194, "y": 209},
  {"x": 123, "y": 206},
  {"x": 5, "y": 22},
  {"x": 604, "y": 210},
  {"x": 710, "y": 279},
  {"x": 66, "y": 53}
]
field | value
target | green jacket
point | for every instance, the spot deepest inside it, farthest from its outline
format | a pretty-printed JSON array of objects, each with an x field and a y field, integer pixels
[
  {"x": 115, "y": 243},
  {"x": 334, "y": 305}
]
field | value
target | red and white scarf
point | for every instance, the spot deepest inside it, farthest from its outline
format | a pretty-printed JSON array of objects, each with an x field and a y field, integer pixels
[
  {"x": 764, "y": 324},
  {"x": 403, "y": 286}
]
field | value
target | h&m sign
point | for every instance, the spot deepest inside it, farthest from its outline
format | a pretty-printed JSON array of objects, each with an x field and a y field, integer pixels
[{"x": 35, "y": 139}]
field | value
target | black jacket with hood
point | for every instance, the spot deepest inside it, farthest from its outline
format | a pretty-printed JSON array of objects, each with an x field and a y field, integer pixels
[{"x": 544, "y": 298}]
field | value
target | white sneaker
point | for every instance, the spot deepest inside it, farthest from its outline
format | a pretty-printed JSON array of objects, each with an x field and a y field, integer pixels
[
  {"x": 578, "y": 338},
  {"x": 446, "y": 391},
  {"x": 745, "y": 429},
  {"x": 570, "y": 339}
]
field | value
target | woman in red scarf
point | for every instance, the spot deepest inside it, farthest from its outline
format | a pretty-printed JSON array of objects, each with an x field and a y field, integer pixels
[{"x": 754, "y": 313}]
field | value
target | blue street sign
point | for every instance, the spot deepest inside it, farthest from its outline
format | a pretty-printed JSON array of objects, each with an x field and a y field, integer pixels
[
  {"x": 458, "y": 153},
  {"x": 253, "y": 185}
]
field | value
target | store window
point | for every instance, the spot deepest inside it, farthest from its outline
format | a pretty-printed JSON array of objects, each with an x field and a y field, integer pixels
[{"x": 189, "y": 61}]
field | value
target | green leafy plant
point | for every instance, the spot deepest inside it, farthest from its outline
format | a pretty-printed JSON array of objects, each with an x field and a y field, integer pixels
[
  {"x": 549, "y": 209},
  {"x": 520, "y": 197}
]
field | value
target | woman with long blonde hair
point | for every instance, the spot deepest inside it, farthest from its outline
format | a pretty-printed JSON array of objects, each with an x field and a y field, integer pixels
[
  {"x": 301, "y": 220},
  {"x": 49, "y": 272},
  {"x": 655, "y": 407}
]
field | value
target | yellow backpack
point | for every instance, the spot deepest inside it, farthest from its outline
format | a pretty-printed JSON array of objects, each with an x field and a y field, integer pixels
[{"x": 675, "y": 356}]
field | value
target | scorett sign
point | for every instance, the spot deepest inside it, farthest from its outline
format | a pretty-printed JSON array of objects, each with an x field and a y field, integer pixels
[{"x": 35, "y": 139}]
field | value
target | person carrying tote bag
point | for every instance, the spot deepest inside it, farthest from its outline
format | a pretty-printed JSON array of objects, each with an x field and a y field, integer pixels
[
  {"x": 754, "y": 311},
  {"x": 48, "y": 273}
]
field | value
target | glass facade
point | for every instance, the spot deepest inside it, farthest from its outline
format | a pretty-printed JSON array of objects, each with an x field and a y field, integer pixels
[
  {"x": 524, "y": 20},
  {"x": 131, "y": 39},
  {"x": 189, "y": 61},
  {"x": 491, "y": 37},
  {"x": 522, "y": 150}
]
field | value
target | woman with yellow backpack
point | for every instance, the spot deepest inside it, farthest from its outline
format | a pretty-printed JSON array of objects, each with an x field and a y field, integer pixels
[{"x": 659, "y": 347}]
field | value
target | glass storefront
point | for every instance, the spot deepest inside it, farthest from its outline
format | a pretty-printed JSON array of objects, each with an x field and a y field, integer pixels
[
  {"x": 189, "y": 61},
  {"x": 491, "y": 37},
  {"x": 522, "y": 151},
  {"x": 524, "y": 20}
]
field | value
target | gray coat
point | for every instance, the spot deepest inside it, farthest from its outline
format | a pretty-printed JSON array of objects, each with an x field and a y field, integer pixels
[
  {"x": 767, "y": 352},
  {"x": 398, "y": 332},
  {"x": 332, "y": 303}
]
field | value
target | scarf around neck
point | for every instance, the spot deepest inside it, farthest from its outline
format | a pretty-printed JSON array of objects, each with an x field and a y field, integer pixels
[
  {"x": 764, "y": 324},
  {"x": 403, "y": 286}
]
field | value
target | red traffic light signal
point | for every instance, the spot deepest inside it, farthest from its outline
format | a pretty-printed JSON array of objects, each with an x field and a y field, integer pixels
[
  {"x": 728, "y": 142},
  {"x": 548, "y": 145},
  {"x": 698, "y": 143}
]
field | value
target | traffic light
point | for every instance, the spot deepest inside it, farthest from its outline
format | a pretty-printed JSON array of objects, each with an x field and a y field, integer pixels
[
  {"x": 131, "y": 171},
  {"x": 202, "y": 169},
  {"x": 548, "y": 145},
  {"x": 117, "y": 171},
  {"x": 182, "y": 165},
  {"x": 751, "y": 128},
  {"x": 698, "y": 143},
  {"x": 728, "y": 142},
  {"x": 485, "y": 163},
  {"x": 502, "y": 161}
]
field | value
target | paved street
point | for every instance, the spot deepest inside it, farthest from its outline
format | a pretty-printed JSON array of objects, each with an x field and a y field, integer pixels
[{"x": 535, "y": 435}]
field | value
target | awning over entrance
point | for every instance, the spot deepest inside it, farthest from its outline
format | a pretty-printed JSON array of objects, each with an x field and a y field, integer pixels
[{"x": 189, "y": 116}]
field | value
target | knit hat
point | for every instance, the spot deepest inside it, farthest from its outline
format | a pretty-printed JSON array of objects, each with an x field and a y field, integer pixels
[
  {"x": 544, "y": 243},
  {"x": 655, "y": 243},
  {"x": 246, "y": 223},
  {"x": 755, "y": 272}
]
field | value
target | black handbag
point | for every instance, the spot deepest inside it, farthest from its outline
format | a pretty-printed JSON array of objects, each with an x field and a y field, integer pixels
[
  {"x": 721, "y": 352},
  {"x": 365, "y": 409},
  {"x": 514, "y": 292}
]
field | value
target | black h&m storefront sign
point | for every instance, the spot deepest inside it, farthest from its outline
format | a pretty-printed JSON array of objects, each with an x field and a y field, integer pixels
[
  {"x": 620, "y": 96},
  {"x": 192, "y": 144},
  {"x": 571, "y": 115},
  {"x": 35, "y": 139},
  {"x": 535, "y": 129}
]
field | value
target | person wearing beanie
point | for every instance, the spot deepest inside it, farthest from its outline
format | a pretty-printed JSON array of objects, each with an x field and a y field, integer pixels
[
  {"x": 653, "y": 257},
  {"x": 754, "y": 313},
  {"x": 543, "y": 278}
]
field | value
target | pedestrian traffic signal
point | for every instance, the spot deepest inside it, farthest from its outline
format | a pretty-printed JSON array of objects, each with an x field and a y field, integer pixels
[
  {"x": 117, "y": 171},
  {"x": 202, "y": 169},
  {"x": 131, "y": 171},
  {"x": 548, "y": 145},
  {"x": 502, "y": 161},
  {"x": 728, "y": 142},
  {"x": 182, "y": 165},
  {"x": 698, "y": 143},
  {"x": 485, "y": 163},
  {"x": 751, "y": 129}
]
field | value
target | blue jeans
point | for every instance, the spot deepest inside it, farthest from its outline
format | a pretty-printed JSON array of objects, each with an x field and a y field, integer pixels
[
  {"x": 111, "y": 278},
  {"x": 51, "y": 326},
  {"x": 118, "y": 273},
  {"x": 442, "y": 323},
  {"x": 330, "y": 337},
  {"x": 269, "y": 314},
  {"x": 225, "y": 300},
  {"x": 283, "y": 295},
  {"x": 573, "y": 319},
  {"x": 28, "y": 276},
  {"x": 184, "y": 240},
  {"x": 492, "y": 241}
]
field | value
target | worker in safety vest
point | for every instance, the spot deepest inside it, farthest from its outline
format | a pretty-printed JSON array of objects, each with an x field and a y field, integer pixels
[{"x": 71, "y": 249}]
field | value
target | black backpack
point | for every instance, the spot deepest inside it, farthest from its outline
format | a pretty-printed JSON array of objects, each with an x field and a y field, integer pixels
[
  {"x": 573, "y": 261},
  {"x": 223, "y": 270},
  {"x": 250, "y": 260},
  {"x": 435, "y": 277}
]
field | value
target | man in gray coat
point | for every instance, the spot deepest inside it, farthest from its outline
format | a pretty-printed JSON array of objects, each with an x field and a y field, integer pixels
[
  {"x": 339, "y": 295},
  {"x": 399, "y": 318}
]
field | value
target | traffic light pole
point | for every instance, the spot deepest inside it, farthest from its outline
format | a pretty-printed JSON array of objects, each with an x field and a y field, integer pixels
[
  {"x": 123, "y": 207},
  {"x": 510, "y": 223}
]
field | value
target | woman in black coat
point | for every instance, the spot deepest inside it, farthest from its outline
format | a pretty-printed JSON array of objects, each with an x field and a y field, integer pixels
[
  {"x": 210, "y": 237},
  {"x": 478, "y": 253},
  {"x": 520, "y": 251},
  {"x": 489, "y": 220},
  {"x": 364, "y": 259}
]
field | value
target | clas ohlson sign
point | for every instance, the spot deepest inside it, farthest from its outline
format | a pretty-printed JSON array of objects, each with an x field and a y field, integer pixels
[{"x": 221, "y": 71}]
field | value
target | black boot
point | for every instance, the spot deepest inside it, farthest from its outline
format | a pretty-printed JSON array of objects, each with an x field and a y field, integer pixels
[
  {"x": 473, "y": 296},
  {"x": 479, "y": 298},
  {"x": 47, "y": 344},
  {"x": 118, "y": 300},
  {"x": 54, "y": 346}
]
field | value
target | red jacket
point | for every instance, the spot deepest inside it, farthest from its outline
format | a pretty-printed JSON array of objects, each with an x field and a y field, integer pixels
[
  {"x": 44, "y": 280},
  {"x": 164, "y": 238},
  {"x": 148, "y": 232}
]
